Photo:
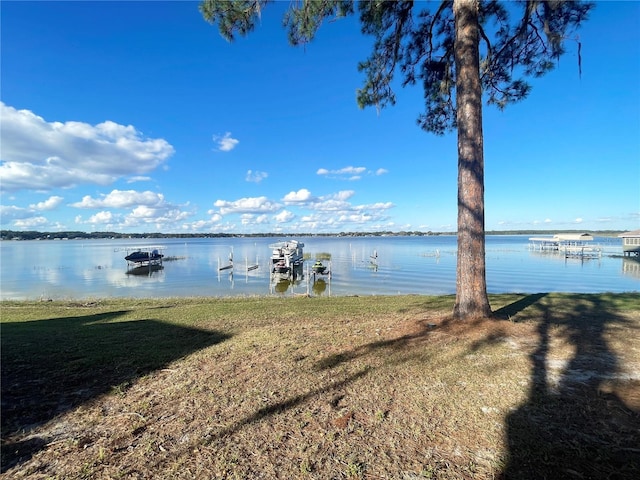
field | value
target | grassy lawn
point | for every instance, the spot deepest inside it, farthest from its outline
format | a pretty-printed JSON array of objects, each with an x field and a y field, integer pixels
[{"x": 383, "y": 387}]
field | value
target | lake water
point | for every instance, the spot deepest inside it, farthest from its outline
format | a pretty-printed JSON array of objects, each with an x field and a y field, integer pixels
[{"x": 86, "y": 269}]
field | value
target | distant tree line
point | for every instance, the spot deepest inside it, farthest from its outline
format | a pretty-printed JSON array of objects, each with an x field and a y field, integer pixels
[
  {"x": 73, "y": 235},
  {"x": 76, "y": 235}
]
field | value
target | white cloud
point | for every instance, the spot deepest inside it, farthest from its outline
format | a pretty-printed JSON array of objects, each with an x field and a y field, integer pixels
[
  {"x": 197, "y": 226},
  {"x": 138, "y": 178},
  {"x": 252, "y": 219},
  {"x": 331, "y": 205},
  {"x": 333, "y": 211},
  {"x": 41, "y": 155},
  {"x": 101, "y": 218},
  {"x": 32, "y": 222},
  {"x": 333, "y": 202},
  {"x": 12, "y": 211},
  {"x": 344, "y": 195},
  {"x": 284, "y": 216},
  {"x": 379, "y": 206},
  {"x": 215, "y": 216},
  {"x": 302, "y": 195},
  {"x": 48, "y": 204},
  {"x": 225, "y": 142},
  {"x": 578, "y": 220},
  {"x": 256, "y": 176},
  {"x": 246, "y": 205},
  {"x": 161, "y": 217},
  {"x": 357, "y": 218},
  {"x": 342, "y": 171},
  {"x": 28, "y": 217},
  {"x": 212, "y": 224},
  {"x": 121, "y": 199},
  {"x": 304, "y": 212},
  {"x": 146, "y": 208},
  {"x": 349, "y": 173},
  {"x": 144, "y": 212}
]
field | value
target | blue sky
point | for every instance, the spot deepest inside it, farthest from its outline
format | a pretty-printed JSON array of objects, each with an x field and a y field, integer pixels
[{"x": 140, "y": 117}]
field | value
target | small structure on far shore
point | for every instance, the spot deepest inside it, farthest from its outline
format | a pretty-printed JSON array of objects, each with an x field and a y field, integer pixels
[{"x": 630, "y": 243}]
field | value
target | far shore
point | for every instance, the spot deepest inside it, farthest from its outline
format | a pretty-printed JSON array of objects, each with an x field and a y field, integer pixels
[{"x": 78, "y": 235}]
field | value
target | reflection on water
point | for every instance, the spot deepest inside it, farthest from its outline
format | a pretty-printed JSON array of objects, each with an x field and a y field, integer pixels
[
  {"x": 282, "y": 286},
  {"x": 359, "y": 266},
  {"x": 146, "y": 270},
  {"x": 227, "y": 277},
  {"x": 319, "y": 286},
  {"x": 631, "y": 266},
  {"x": 294, "y": 282}
]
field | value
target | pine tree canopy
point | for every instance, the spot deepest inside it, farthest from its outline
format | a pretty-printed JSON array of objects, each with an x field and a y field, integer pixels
[{"x": 518, "y": 40}]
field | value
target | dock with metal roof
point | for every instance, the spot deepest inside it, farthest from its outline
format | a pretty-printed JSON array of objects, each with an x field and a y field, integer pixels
[{"x": 568, "y": 244}]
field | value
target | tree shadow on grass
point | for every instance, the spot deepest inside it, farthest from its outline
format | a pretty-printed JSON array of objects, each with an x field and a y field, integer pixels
[
  {"x": 581, "y": 420},
  {"x": 289, "y": 403},
  {"x": 54, "y": 365},
  {"x": 327, "y": 363},
  {"x": 578, "y": 422},
  {"x": 511, "y": 310}
]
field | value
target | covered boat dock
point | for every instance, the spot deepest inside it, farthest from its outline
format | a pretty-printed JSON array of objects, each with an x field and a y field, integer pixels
[
  {"x": 568, "y": 244},
  {"x": 630, "y": 243}
]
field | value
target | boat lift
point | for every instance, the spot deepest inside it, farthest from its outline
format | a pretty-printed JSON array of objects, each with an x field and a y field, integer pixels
[
  {"x": 319, "y": 280},
  {"x": 252, "y": 266},
  {"x": 144, "y": 259},
  {"x": 229, "y": 266}
]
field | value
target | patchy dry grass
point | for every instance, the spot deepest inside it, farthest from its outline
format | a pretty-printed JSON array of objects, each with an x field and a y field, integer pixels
[{"x": 321, "y": 388}]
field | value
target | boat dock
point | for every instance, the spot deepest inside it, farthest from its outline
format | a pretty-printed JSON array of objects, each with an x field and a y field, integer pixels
[
  {"x": 630, "y": 243},
  {"x": 569, "y": 245},
  {"x": 286, "y": 259}
]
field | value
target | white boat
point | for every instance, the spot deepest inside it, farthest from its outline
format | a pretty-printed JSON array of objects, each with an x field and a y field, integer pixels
[{"x": 285, "y": 256}]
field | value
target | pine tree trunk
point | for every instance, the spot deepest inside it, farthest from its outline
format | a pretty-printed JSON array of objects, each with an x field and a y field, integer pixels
[{"x": 471, "y": 286}]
